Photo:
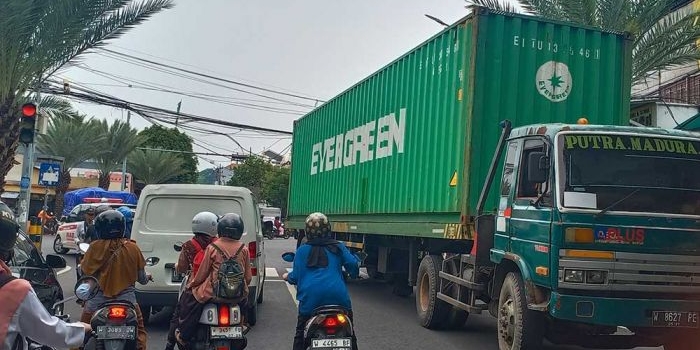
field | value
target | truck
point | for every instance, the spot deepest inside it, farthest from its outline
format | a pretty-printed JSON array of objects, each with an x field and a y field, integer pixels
[{"x": 493, "y": 169}]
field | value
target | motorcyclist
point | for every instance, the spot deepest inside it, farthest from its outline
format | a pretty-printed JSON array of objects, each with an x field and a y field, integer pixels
[
  {"x": 21, "y": 313},
  {"x": 278, "y": 224},
  {"x": 200, "y": 288},
  {"x": 90, "y": 217},
  {"x": 204, "y": 229},
  {"x": 118, "y": 264},
  {"x": 318, "y": 275}
]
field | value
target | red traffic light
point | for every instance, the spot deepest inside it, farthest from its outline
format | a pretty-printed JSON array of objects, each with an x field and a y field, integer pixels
[{"x": 29, "y": 110}]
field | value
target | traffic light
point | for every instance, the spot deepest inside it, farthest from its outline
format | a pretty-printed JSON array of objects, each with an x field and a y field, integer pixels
[{"x": 27, "y": 123}]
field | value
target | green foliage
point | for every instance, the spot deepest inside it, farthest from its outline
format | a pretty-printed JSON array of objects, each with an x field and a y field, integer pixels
[
  {"x": 75, "y": 139},
  {"x": 157, "y": 136},
  {"x": 663, "y": 36},
  {"x": 267, "y": 182},
  {"x": 155, "y": 167},
  {"x": 120, "y": 139},
  {"x": 207, "y": 176}
]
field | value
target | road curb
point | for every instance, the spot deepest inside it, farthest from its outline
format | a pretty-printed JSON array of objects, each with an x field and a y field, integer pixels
[{"x": 63, "y": 270}]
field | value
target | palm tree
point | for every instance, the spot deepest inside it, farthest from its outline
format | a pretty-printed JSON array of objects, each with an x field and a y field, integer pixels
[
  {"x": 663, "y": 36},
  {"x": 74, "y": 139},
  {"x": 119, "y": 140},
  {"x": 155, "y": 167},
  {"x": 37, "y": 38}
]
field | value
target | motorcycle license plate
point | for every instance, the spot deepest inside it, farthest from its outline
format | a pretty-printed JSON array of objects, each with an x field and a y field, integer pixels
[
  {"x": 226, "y": 332},
  {"x": 333, "y": 343},
  {"x": 116, "y": 332},
  {"x": 675, "y": 319}
]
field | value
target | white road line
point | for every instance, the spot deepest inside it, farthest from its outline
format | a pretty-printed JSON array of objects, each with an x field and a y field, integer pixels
[
  {"x": 63, "y": 270},
  {"x": 289, "y": 269},
  {"x": 293, "y": 291},
  {"x": 271, "y": 272}
]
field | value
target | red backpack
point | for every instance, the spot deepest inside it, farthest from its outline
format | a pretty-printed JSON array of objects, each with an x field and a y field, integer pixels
[{"x": 198, "y": 257}]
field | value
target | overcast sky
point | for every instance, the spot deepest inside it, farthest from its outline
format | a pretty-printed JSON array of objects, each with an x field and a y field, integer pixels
[{"x": 315, "y": 48}]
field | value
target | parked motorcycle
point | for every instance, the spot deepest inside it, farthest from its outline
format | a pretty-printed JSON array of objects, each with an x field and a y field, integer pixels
[
  {"x": 114, "y": 324},
  {"x": 330, "y": 326},
  {"x": 220, "y": 325}
]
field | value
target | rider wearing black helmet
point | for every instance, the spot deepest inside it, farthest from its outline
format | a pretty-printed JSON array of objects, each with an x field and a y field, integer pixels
[
  {"x": 21, "y": 313},
  {"x": 118, "y": 264},
  {"x": 200, "y": 289}
]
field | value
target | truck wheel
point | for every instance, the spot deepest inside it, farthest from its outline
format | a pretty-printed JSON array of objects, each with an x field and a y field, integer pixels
[
  {"x": 518, "y": 327},
  {"x": 431, "y": 310},
  {"x": 682, "y": 342}
]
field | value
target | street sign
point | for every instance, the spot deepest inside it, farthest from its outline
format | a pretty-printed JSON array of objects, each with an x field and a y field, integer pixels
[
  {"x": 49, "y": 174},
  {"x": 24, "y": 183}
]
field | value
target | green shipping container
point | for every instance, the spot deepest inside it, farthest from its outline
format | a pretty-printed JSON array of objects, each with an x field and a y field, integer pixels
[{"x": 406, "y": 151}]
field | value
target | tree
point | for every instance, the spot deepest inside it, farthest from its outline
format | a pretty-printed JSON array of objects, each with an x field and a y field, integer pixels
[
  {"x": 251, "y": 174},
  {"x": 154, "y": 167},
  {"x": 120, "y": 139},
  {"x": 37, "y": 38},
  {"x": 276, "y": 188},
  {"x": 76, "y": 140},
  {"x": 663, "y": 36},
  {"x": 207, "y": 176},
  {"x": 157, "y": 136}
]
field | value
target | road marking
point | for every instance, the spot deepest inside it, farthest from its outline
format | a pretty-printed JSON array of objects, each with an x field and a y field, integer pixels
[
  {"x": 293, "y": 291},
  {"x": 63, "y": 270},
  {"x": 271, "y": 272}
]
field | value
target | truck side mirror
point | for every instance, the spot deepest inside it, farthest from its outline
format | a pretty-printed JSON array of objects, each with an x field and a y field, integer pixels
[{"x": 537, "y": 167}]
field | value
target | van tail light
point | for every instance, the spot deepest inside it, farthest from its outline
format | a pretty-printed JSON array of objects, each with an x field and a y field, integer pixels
[
  {"x": 253, "y": 252},
  {"x": 224, "y": 315},
  {"x": 116, "y": 313}
]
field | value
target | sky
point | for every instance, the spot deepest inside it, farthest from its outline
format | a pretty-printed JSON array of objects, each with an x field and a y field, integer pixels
[{"x": 314, "y": 48}]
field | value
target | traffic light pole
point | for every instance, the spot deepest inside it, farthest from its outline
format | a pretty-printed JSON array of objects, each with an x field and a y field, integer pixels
[{"x": 25, "y": 192}]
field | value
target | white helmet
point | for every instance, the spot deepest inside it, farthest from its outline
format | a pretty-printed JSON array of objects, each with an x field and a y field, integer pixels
[{"x": 205, "y": 222}]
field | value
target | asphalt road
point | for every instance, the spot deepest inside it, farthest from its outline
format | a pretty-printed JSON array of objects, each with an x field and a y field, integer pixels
[{"x": 382, "y": 320}]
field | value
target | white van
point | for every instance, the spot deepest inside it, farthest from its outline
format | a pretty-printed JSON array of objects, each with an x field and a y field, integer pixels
[{"x": 164, "y": 218}]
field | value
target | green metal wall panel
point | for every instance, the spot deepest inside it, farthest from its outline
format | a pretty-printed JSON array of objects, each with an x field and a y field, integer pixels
[
  {"x": 453, "y": 90},
  {"x": 513, "y": 74}
]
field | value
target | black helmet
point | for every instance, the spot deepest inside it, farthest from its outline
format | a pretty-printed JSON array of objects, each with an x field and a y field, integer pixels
[
  {"x": 317, "y": 225},
  {"x": 110, "y": 225},
  {"x": 102, "y": 208},
  {"x": 8, "y": 231},
  {"x": 230, "y": 225}
]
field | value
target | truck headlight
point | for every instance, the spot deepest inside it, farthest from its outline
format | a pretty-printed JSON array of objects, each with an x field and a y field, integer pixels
[
  {"x": 573, "y": 276},
  {"x": 596, "y": 277}
]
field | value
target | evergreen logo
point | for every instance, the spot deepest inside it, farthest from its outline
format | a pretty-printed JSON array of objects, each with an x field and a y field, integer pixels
[{"x": 553, "y": 81}]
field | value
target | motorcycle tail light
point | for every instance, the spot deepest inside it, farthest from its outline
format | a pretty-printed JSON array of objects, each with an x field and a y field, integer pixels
[
  {"x": 116, "y": 312},
  {"x": 253, "y": 252},
  {"x": 224, "y": 315}
]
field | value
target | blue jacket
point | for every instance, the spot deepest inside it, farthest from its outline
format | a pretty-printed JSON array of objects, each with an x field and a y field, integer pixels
[{"x": 321, "y": 286}]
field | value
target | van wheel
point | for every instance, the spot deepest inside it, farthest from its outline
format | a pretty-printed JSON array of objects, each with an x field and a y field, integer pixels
[
  {"x": 146, "y": 312},
  {"x": 431, "y": 310},
  {"x": 58, "y": 246},
  {"x": 260, "y": 296},
  {"x": 518, "y": 327},
  {"x": 253, "y": 314}
]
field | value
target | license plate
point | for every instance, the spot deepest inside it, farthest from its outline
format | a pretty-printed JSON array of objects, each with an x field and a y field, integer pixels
[
  {"x": 226, "y": 332},
  {"x": 116, "y": 332},
  {"x": 177, "y": 277},
  {"x": 333, "y": 343},
  {"x": 675, "y": 319}
]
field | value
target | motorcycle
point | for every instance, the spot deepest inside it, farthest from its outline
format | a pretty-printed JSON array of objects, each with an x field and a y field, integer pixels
[
  {"x": 330, "y": 326},
  {"x": 51, "y": 226},
  {"x": 115, "y": 323},
  {"x": 220, "y": 325},
  {"x": 271, "y": 232}
]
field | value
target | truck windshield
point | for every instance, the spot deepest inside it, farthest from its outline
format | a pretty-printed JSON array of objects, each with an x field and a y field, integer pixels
[{"x": 630, "y": 173}]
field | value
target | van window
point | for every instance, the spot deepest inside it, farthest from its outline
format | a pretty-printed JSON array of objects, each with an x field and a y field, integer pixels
[{"x": 174, "y": 214}]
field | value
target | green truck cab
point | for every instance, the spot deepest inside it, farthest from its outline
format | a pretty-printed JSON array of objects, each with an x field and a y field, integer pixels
[{"x": 597, "y": 227}]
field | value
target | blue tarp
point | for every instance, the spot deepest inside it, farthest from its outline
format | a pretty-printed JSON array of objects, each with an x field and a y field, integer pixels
[{"x": 73, "y": 198}]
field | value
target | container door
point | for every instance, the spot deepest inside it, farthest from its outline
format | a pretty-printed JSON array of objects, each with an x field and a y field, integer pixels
[{"x": 531, "y": 219}]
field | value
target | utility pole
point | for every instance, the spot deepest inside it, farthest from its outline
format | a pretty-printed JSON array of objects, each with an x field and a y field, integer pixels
[
  {"x": 128, "y": 122},
  {"x": 177, "y": 119}
]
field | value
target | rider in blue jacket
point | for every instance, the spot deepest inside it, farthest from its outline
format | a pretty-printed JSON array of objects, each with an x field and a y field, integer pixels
[{"x": 317, "y": 272}]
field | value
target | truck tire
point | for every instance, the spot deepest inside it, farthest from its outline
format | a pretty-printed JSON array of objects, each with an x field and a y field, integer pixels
[
  {"x": 431, "y": 310},
  {"x": 518, "y": 327},
  {"x": 682, "y": 342}
]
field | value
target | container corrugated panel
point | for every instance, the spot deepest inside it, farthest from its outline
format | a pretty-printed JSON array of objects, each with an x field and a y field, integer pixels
[{"x": 417, "y": 137}]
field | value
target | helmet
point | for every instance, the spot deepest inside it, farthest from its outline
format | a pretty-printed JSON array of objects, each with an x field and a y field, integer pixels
[
  {"x": 126, "y": 211},
  {"x": 206, "y": 223},
  {"x": 110, "y": 225},
  {"x": 8, "y": 231},
  {"x": 102, "y": 208},
  {"x": 317, "y": 225},
  {"x": 231, "y": 226}
]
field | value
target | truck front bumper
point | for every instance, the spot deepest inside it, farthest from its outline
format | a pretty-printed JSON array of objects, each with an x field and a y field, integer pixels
[{"x": 614, "y": 311}]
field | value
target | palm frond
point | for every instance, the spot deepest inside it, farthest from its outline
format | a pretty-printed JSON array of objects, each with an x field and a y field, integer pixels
[
  {"x": 153, "y": 167},
  {"x": 494, "y": 5},
  {"x": 74, "y": 139},
  {"x": 119, "y": 141},
  {"x": 53, "y": 107}
]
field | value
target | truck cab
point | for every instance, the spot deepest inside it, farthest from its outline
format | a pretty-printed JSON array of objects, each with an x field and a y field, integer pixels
[{"x": 596, "y": 227}]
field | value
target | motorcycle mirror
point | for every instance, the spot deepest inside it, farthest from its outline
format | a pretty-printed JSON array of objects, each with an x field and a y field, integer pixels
[
  {"x": 86, "y": 288},
  {"x": 84, "y": 247},
  {"x": 177, "y": 246},
  {"x": 152, "y": 261},
  {"x": 288, "y": 257}
]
